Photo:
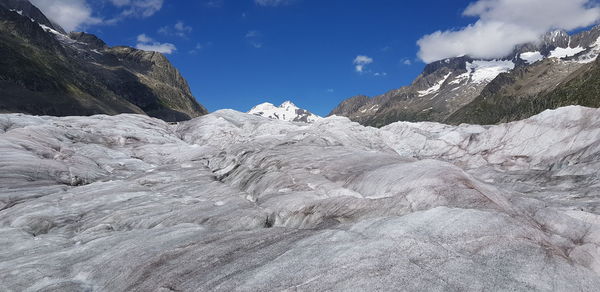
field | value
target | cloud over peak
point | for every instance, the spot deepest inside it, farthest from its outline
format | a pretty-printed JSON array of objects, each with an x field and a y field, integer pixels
[
  {"x": 503, "y": 24},
  {"x": 147, "y": 43},
  {"x": 70, "y": 14},
  {"x": 77, "y": 14}
]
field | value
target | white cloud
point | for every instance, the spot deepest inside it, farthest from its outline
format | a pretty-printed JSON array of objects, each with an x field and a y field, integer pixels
[
  {"x": 180, "y": 26},
  {"x": 272, "y": 3},
  {"x": 406, "y": 62},
  {"x": 503, "y": 24},
  {"x": 140, "y": 8},
  {"x": 179, "y": 29},
  {"x": 143, "y": 38},
  {"x": 147, "y": 43},
  {"x": 164, "y": 48},
  {"x": 330, "y": 90},
  {"x": 360, "y": 62},
  {"x": 77, "y": 14},
  {"x": 252, "y": 34},
  {"x": 70, "y": 14},
  {"x": 134, "y": 8}
]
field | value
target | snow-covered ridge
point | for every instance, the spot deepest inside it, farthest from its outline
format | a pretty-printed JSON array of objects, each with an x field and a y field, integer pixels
[{"x": 287, "y": 111}]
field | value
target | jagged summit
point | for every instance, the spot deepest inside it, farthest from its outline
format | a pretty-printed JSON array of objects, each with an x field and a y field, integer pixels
[{"x": 287, "y": 111}]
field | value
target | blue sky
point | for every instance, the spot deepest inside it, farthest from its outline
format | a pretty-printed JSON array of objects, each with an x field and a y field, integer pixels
[{"x": 239, "y": 53}]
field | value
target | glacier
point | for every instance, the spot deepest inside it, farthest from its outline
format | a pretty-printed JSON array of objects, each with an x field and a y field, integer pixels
[{"x": 236, "y": 202}]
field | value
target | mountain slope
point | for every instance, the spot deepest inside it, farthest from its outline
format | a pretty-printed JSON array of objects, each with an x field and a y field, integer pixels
[
  {"x": 287, "y": 111},
  {"x": 446, "y": 88},
  {"x": 531, "y": 90},
  {"x": 45, "y": 71}
]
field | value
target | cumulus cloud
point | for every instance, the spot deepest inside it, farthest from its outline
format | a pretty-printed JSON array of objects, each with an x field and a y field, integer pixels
[
  {"x": 360, "y": 62},
  {"x": 147, "y": 43},
  {"x": 272, "y": 3},
  {"x": 70, "y": 14},
  {"x": 503, "y": 24}
]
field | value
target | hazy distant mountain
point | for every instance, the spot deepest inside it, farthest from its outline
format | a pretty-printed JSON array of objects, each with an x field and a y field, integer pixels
[
  {"x": 446, "y": 88},
  {"x": 44, "y": 70},
  {"x": 287, "y": 111}
]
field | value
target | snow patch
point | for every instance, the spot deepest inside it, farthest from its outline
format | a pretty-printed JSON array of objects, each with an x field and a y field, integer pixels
[
  {"x": 459, "y": 79},
  {"x": 592, "y": 55},
  {"x": 20, "y": 12},
  {"x": 486, "y": 71},
  {"x": 531, "y": 57},
  {"x": 49, "y": 29},
  {"x": 565, "y": 52},
  {"x": 435, "y": 88}
]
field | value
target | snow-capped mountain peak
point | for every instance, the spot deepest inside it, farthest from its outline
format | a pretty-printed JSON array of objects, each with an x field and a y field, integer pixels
[{"x": 287, "y": 111}]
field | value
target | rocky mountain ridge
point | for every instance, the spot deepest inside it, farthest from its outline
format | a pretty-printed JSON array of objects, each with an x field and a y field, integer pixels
[
  {"x": 49, "y": 72},
  {"x": 447, "y": 86}
]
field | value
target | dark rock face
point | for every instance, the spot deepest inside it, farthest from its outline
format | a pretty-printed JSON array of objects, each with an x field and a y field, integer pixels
[
  {"x": 465, "y": 90},
  {"x": 350, "y": 105},
  {"x": 51, "y": 73},
  {"x": 29, "y": 10},
  {"x": 89, "y": 39}
]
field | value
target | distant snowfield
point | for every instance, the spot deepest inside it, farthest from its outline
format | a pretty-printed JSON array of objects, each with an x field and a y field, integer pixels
[
  {"x": 565, "y": 52},
  {"x": 531, "y": 57},
  {"x": 235, "y": 202}
]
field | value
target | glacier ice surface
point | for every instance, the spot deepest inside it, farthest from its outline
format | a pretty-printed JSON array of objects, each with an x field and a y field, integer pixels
[{"x": 236, "y": 202}]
